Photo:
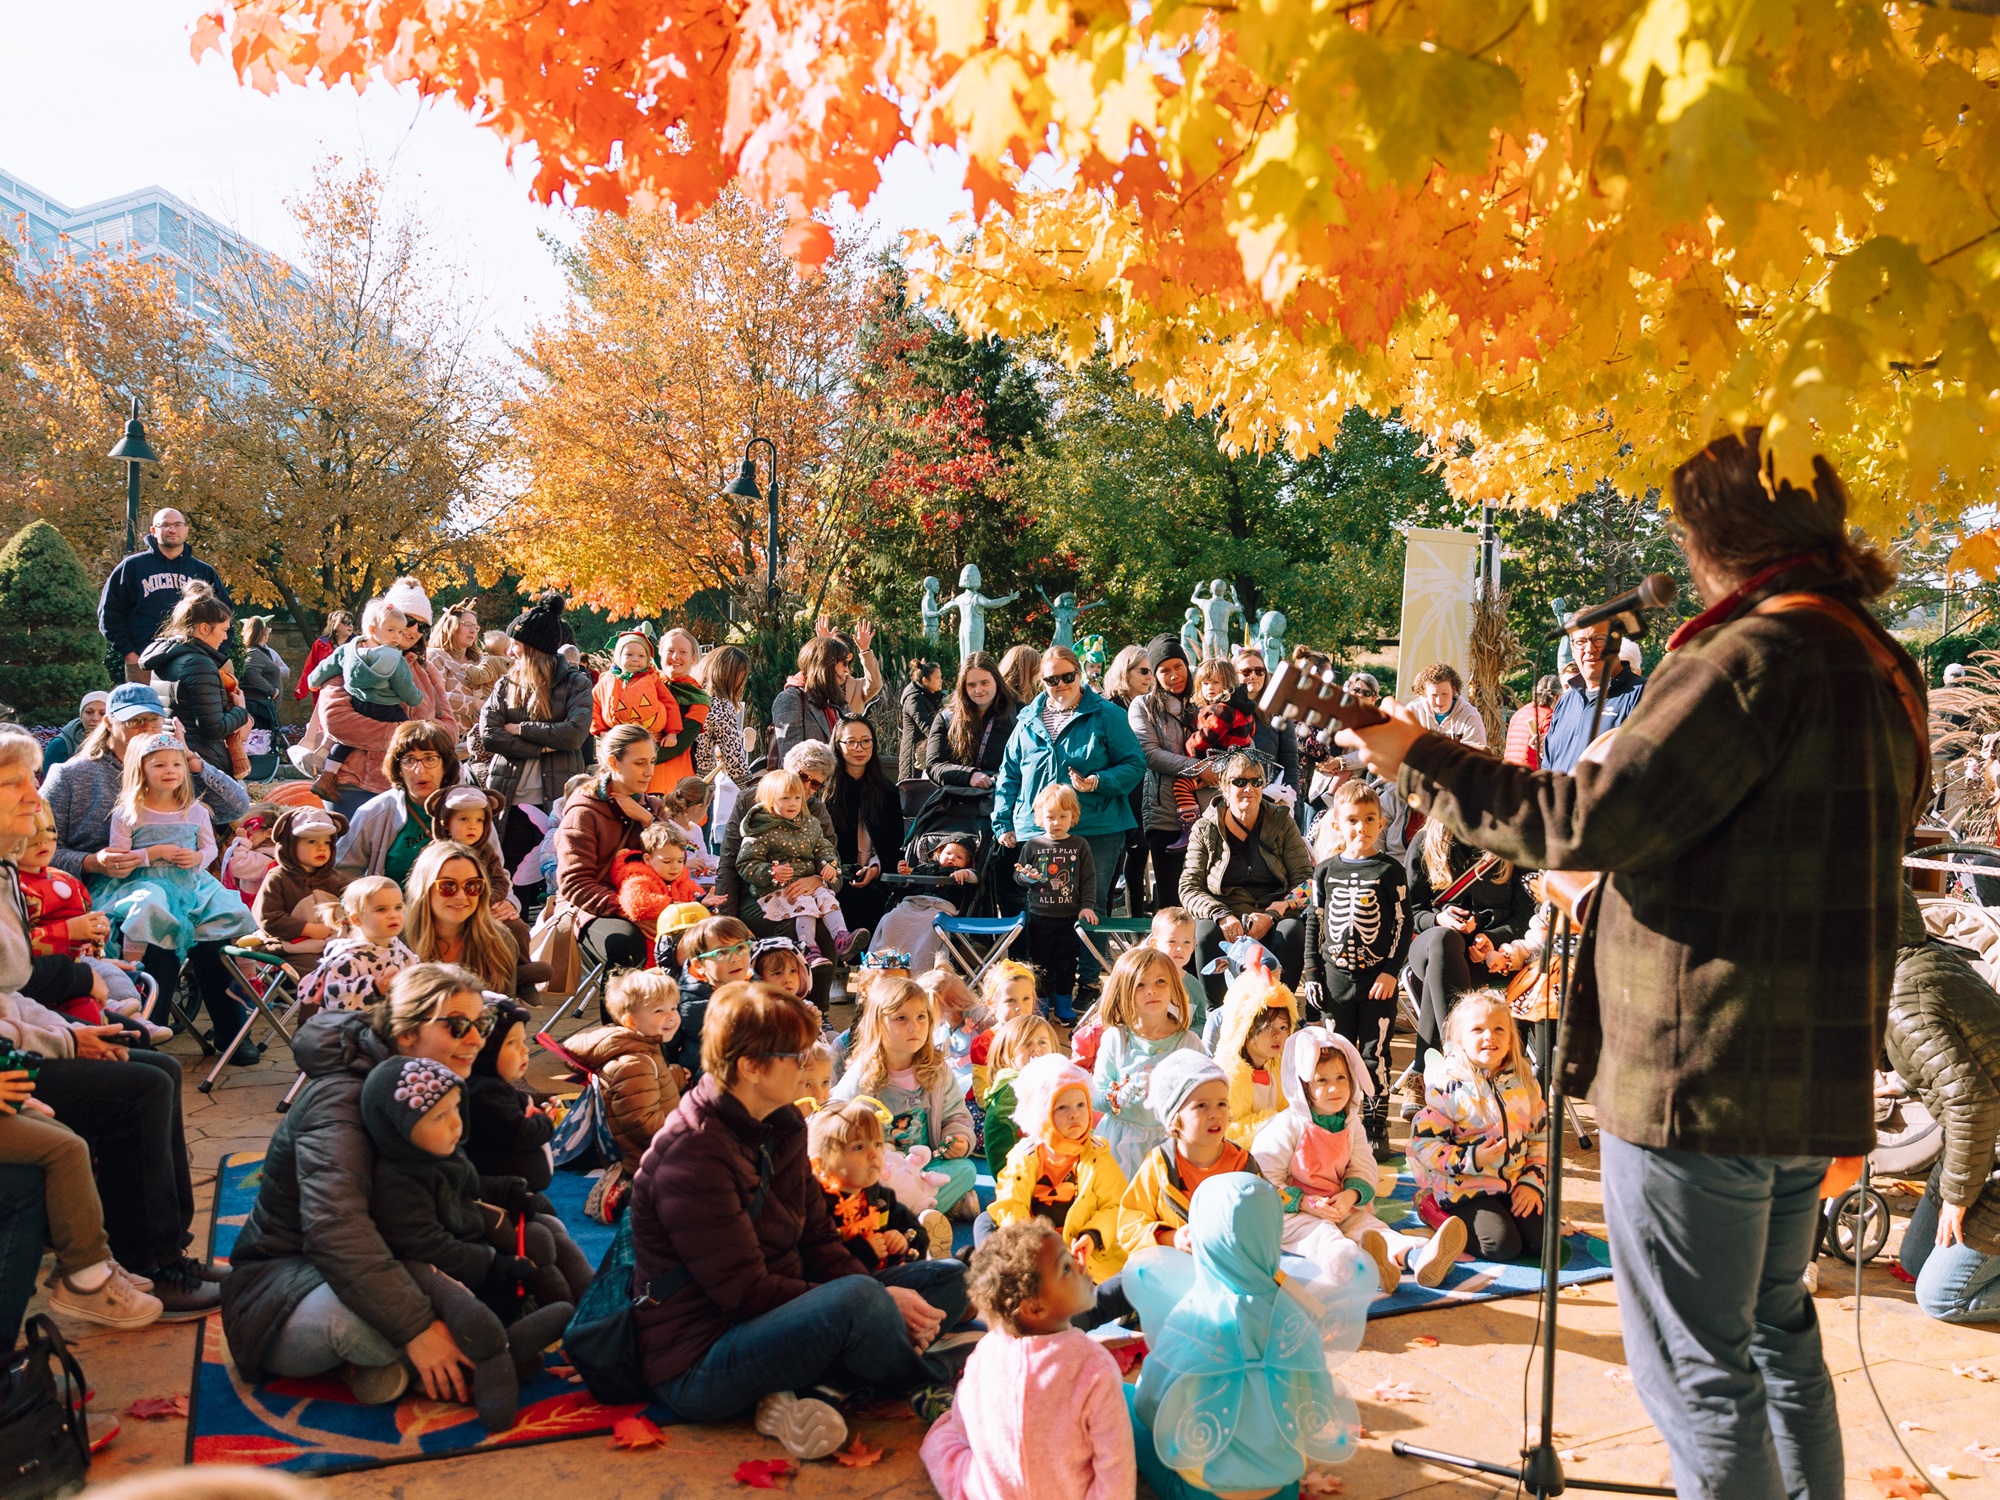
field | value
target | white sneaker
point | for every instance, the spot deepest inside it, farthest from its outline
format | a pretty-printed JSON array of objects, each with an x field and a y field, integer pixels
[
  {"x": 157, "y": 1034},
  {"x": 124, "y": 1007},
  {"x": 116, "y": 1304},
  {"x": 937, "y": 1228},
  {"x": 1810, "y": 1278},
  {"x": 1376, "y": 1248},
  {"x": 1440, "y": 1253},
  {"x": 805, "y": 1429}
]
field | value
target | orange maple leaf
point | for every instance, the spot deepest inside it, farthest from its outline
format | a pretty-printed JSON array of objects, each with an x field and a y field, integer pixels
[
  {"x": 636, "y": 1433},
  {"x": 1423, "y": 1341},
  {"x": 762, "y": 1473},
  {"x": 1896, "y": 1485},
  {"x": 858, "y": 1455}
]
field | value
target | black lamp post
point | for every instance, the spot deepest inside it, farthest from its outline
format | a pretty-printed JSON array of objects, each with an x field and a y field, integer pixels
[
  {"x": 746, "y": 488},
  {"x": 133, "y": 450}
]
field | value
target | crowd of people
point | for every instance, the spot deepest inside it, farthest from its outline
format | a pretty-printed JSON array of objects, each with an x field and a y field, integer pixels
[{"x": 1223, "y": 1087}]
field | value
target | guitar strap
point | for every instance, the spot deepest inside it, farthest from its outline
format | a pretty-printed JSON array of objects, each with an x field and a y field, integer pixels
[
  {"x": 1459, "y": 886},
  {"x": 1905, "y": 691}
]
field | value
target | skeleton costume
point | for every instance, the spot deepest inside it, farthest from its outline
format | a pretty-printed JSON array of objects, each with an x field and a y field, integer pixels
[{"x": 1358, "y": 928}]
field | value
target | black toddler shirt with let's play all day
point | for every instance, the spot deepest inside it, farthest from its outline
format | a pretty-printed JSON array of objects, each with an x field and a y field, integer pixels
[{"x": 1068, "y": 876}]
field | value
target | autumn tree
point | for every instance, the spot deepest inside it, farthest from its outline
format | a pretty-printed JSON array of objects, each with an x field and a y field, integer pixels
[
  {"x": 677, "y": 343},
  {"x": 362, "y": 425},
  {"x": 1563, "y": 240}
]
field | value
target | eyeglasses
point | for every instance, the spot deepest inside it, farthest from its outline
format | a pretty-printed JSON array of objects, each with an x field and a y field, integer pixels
[
  {"x": 1059, "y": 679},
  {"x": 444, "y": 885},
  {"x": 421, "y": 758},
  {"x": 1138, "y": 671},
  {"x": 813, "y": 783},
  {"x": 783, "y": 1056},
  {"x": 729, "y": 952},
  {"x": 1243, "y": 781},
  {"x": 458, "y": 1026}
]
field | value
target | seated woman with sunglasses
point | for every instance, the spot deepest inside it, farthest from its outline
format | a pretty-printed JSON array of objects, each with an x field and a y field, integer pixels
[
  {"x": 449, "y": 919},
  {"x": 312, "y": 1288},
  {"x": 1246, "y": 865}
]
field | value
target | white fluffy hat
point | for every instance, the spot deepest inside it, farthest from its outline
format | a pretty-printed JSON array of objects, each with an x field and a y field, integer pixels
[{"x": 407, "y": 595}]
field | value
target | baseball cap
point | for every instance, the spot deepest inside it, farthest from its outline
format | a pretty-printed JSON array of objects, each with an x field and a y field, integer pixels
[{"x": 131, "y": 700}]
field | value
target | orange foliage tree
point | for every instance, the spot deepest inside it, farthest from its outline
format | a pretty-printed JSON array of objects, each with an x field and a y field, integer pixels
[{"x": 677, "y": 343}]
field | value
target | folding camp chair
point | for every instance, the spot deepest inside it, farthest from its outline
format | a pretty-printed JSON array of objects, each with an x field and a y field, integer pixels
[
  {"x": 592, "y": 983},
  {"x": 176, "y": 1017},
  {"x": 972, "y": 945},
  {"x": 276, "y": 999},
  {"x": 1116, "y": 934}
]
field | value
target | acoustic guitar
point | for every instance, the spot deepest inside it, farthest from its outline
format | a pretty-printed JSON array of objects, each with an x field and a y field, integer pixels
[
  {"x": 1535, "y": 989},
  {"x": 1305, "y": 695}
]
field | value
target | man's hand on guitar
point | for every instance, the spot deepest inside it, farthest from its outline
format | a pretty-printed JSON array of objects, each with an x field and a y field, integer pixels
[{"x": 1384, "y": 745}]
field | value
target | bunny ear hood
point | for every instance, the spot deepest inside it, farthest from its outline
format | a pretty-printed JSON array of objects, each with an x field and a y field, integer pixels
[
  {"x": 1036, "y": 1086},
  {"x": 1301, "y": 1060}
]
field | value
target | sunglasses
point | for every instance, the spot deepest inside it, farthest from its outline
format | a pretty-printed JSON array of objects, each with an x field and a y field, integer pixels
[
  {"x": 458, "y": 1026},
  {"x": 1253, "y": 672},
  {"x": 1059, "y": 679},
  {"x": 444, "y": 885},
  {"x": 1243, "y": 781},
  {"x": 813, "y": 783},
  {"x": 732, "y": 949}
]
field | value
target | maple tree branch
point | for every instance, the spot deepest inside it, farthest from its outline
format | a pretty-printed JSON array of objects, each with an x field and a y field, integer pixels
[{"x": 1519, "y": 16}]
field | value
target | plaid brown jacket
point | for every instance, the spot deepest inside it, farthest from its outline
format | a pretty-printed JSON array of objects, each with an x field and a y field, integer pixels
[{"x": 1752, "y": 814}]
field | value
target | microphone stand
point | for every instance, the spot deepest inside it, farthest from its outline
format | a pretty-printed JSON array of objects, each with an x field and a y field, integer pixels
[{"x": 1540, "y": 1471}]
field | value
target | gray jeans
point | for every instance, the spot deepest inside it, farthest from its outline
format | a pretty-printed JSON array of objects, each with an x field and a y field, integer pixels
[
  {"x": 1720, "y": 1336},
  {"x": 321, "y": 1335}
]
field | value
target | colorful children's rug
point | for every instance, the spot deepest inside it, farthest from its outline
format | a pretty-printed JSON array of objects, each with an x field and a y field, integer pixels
[
  {"x": 1585, "y": 1258},
  {"x": 316, "y": 1426}
]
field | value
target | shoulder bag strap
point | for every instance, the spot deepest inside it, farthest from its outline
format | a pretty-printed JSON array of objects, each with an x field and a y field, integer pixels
[{"x": 663, "y": 1287}]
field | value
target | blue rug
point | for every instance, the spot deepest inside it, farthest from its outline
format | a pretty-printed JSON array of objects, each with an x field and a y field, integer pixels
[
  {"x": 1586, "y": 1258},
  {"x": 315, "y": 1426}
]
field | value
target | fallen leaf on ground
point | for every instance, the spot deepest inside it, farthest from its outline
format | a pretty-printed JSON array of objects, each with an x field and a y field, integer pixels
[
  {"x": 636, "y": 1432},
  {"x": 1577, "y": 1293},
  {"x": 564, "y": 1372},
  {"x": 1847, "y": 1304},
  {"x": 1946, "y": 1471},
  {"x": 1319, "y": 1482},
  {"x": 1896, "y": 1485},
  {"x": 158, "y": 1408},
  {"x": 1911, "y": 1427},
  {"x": 858, "y": 1455},
  {"x": 762, "y": 1473},
  {"x": 1974, "y": 1372},
  {"x": 1618, "y": 1376},
  {"x": 1569, "y": 1455},
  {"x": 1423, "y": 1341},
  {"x": 1393, "y": 1390},
  {"x": 1986, "y": 1453}
]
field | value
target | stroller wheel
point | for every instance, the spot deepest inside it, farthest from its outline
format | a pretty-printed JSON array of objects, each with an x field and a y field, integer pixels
[{"x": 1858, "y": 1216}]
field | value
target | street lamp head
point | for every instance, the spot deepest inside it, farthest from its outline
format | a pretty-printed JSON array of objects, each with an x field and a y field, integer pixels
[
  {"x": 133, "y": 447},
  {"x": 746, "y": 486}
]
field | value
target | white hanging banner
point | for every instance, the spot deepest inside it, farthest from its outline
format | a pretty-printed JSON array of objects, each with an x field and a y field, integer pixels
[{"x": 1439, "y": 572}]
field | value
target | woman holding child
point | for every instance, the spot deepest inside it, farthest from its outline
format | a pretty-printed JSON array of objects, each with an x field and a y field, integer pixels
[
  {"x": 753, "y": 1292},
  {"x": 1246, "y": 863},
  {"x": 537, "y": 726}
]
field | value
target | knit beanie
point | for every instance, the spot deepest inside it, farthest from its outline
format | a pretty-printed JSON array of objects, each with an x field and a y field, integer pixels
[
  {"x": 399, "y": 1092},
  {"x": 407, "y": 595},
  {"x": 539, "y": 626},
  {"x": 1175, "y": 1076},
  {"x": 507, "y": 1014},
  {"x": 1164, "y": 648}
]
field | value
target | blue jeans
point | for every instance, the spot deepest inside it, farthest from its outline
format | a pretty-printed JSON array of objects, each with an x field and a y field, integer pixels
[
  {"x": 1105, "y": 852},
  {"x": 1955, "y": 1283},
  {"x": 846, "y": 1332},
  {"x": 1720, "y": 1336},
  {"x": 24, "y": 1234},
  {"x": 323, "y": 1334}
]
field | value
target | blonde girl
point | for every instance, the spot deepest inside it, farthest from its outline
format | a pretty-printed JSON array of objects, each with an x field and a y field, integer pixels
[
  {"x": 1016, "y": 1043},
  {"x": 960, "y": 1019},
  {"x": 686, "y": 808},
  {"x": 1477, "y": 1143},
  {"x": 1145, "y": 1017},
  {"x": 169, "y": 901},
  {"x": 896, "y": 1060},
  {"x": 1007, "y": 991}
]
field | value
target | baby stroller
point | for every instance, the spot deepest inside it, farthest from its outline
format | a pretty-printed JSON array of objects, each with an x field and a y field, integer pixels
[{"x": 941, "y": 918}]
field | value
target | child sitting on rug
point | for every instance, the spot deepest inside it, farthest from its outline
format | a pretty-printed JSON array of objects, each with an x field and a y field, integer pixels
[
  {"x": 778, "y": 961},
  {"x": 783, "y": 841},
  {"x": 1316, "y": 1152},
  {"x": 298, "y": 906},
  {"x": 426, "y": 1202},
  {"x": 1040, "y": 1412},
  {"x": 845, "y": 1144},
  {"x": 362, "y": 961},
  {"x": 1145, "y": 1020},
  {"x": 1059, "y": 1171},
  {"x": 1477, "y": 1143},
  {"x": 896, "y": 1060},
  {"x": 1016, "y": 1044},
  {"x": 961, "y": 1019},
  {"x": 1258, "y": 1017},
  {"x": 1173, "y": 934},
  {"x": 713, "y": 952},
  {"x": 1188, "y": 1091},
  {"x": 507, "y": 1134},
  {"x": 636, "y": 1084},
  {"x": 816, "y": 1080},
  {"x": 1007, "y": 991}
]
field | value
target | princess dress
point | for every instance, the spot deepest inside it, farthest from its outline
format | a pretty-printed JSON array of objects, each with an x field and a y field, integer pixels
[
  {"x": 1125, "y": 1062},
  {"x": 1238, "y": 1390},
  {"x": 163, "y": 906}
]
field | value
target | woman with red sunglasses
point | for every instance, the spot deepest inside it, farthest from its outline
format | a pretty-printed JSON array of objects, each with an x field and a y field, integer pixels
[{"x": 450, "y": 918}]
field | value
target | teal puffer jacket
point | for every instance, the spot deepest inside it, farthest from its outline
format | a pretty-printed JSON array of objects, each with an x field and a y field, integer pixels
[{"x": 1097, "y": 742}]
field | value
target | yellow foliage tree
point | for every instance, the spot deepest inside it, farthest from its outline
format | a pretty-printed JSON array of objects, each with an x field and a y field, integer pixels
[
  {"x": 677, "y": 343},
  {"x": 1569, "y": 238}
]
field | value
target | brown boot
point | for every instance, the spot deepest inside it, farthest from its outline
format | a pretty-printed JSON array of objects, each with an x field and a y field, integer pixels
[{"x": 326, "y": 785}]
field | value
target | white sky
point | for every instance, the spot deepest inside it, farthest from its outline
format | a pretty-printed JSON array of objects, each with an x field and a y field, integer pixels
[{"x": 101, "y": 97}]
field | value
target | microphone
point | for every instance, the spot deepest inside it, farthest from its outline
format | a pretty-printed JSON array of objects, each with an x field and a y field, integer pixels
[{"x": 1655, "y": 591}]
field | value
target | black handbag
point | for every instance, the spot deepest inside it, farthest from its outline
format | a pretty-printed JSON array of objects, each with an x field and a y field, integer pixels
[{"x": 44, "y": 1441}]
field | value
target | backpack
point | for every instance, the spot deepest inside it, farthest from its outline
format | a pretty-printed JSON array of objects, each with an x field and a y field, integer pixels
[{"x": 602, "y": 1340}]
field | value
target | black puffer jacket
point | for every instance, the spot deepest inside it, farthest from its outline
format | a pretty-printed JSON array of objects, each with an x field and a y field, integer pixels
[
  {"x": 311, "y": 1224},
  {"x": 207, "y": 716},
  {"x": 559, "y": 742},
  {"x": 1943, "y": 1037}
]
